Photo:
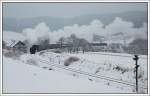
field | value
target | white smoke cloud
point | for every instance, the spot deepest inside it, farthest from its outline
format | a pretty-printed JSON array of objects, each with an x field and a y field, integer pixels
[
  {"x": 41, "y": 31},
  {"x": 86, "y": 31},
  {"x": 97, "y": 27},
  {"x": 126, "y": 27},
  {"x": 83, "y": 31}
]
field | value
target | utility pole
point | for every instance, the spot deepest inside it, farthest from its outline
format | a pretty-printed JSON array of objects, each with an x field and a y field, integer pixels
[
  {"x": 58, "y": 59},
  {"x": 136, "y": 70}
]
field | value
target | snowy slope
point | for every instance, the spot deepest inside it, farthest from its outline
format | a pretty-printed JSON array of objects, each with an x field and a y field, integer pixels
[
  {"x": 46, "y": 68},
  {"x": 22, "y": 78},
  {"x": 107, "y": 62}
]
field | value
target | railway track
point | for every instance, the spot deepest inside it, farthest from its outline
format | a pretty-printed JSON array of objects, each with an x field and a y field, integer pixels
[{"x": 91, "y": 74}]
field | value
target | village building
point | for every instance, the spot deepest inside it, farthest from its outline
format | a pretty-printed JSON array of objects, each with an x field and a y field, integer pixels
[
  {"x": 16, "y": 45},
  {"x": 20, "y": 46},
  {"x": 98, "y": 46}
]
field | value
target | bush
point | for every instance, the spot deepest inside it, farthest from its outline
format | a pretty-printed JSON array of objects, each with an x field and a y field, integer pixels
[
  {"x": 119, "y": 68},
  {"x": 12, "y": 53},
  {"x": 41, "y": 53},
  {"x": 57, "y": 51},
  {"x": 9, "y": 54},
  {"x": 32, "y": 62},
  {"x": 71, "y": 60}
]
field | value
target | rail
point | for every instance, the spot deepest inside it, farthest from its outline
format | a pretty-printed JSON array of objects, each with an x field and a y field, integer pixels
[{"x": 92, "y": 75}]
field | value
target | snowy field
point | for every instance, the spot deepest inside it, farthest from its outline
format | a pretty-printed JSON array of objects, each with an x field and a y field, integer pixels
[
  {"x": 45, "y": 72},
  {"x": 22, "y": 78}
]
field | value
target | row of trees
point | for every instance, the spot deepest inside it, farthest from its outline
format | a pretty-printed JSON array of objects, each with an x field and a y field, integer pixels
[
  {"x": 138, "y": 46},
  {"x": 74, "y": 43}
]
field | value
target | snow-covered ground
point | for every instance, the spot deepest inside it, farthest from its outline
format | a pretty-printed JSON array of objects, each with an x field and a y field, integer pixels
[
  {"x": 22, "y": 78},
  {"x": 44, "y": 72}
]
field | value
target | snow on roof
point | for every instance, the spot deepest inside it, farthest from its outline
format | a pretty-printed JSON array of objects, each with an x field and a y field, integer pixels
[
  {"x": 11, "y": 38},
  {"x": 13, "y": 43}
]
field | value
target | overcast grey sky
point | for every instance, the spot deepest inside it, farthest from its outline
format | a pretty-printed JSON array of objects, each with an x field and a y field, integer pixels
[{"x": 21, "y": 10}]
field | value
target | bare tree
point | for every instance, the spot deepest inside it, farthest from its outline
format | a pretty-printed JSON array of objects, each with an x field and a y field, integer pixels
[
  {"x": 75, "y": 43},
  {"x": 83, "y": 44},
  {"x": 61, "y": 41}
]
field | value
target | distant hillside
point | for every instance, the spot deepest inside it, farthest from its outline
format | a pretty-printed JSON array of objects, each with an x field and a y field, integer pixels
[{"x": 13, "y": 24}]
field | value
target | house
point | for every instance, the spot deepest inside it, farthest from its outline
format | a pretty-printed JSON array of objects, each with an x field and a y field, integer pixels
[
  {"x": 16, "y": 46},
  {"x": 98, "y": 46},
  {"x": 98, "y": 38},
  {"x": 19, "y": 46}
]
